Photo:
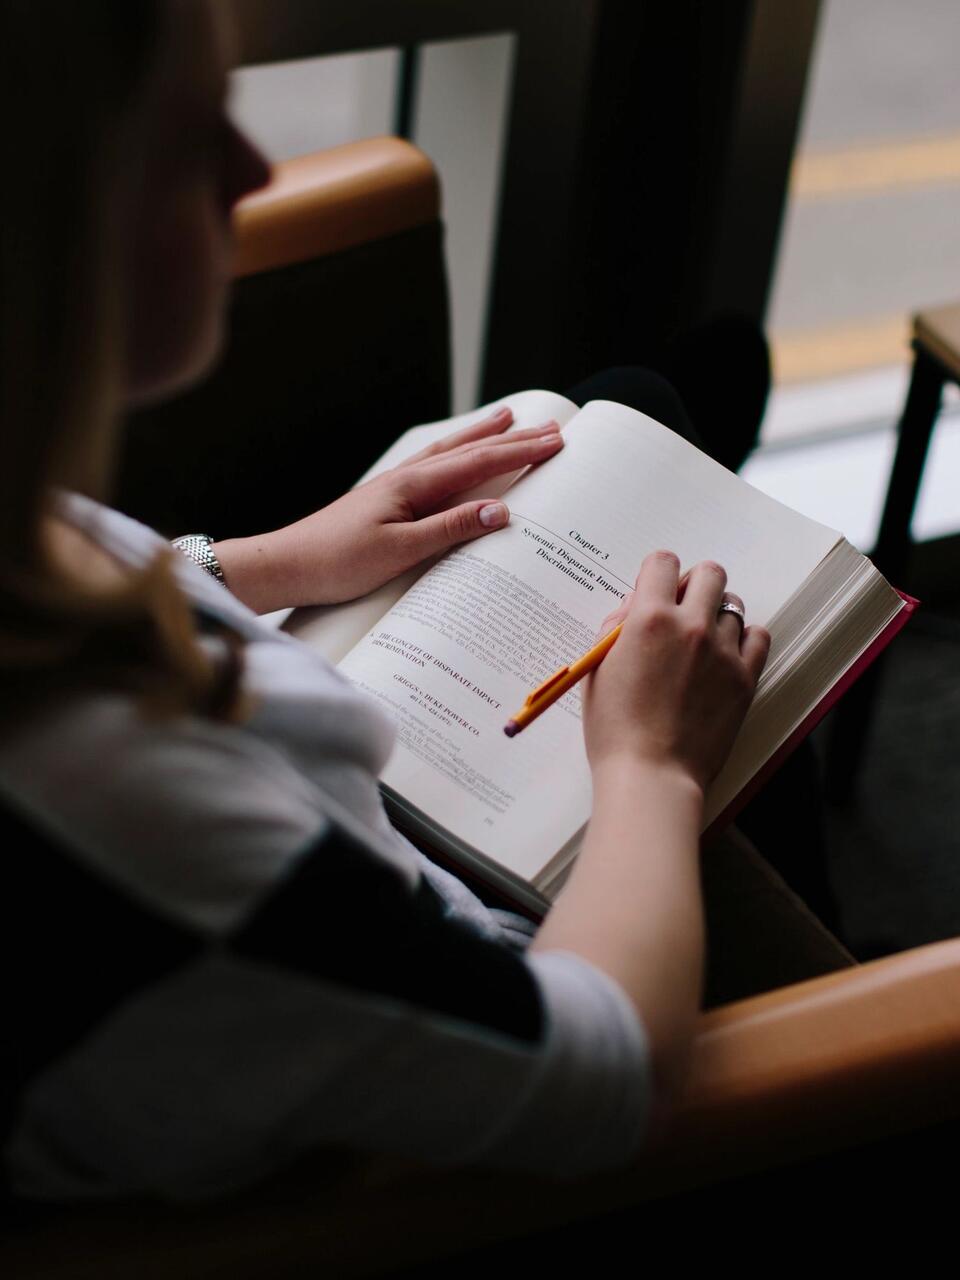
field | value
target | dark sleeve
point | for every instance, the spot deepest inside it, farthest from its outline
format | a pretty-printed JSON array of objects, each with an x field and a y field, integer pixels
[
  {"x": 345, "y": 916},
  {"x": 346, "y": 1010}
]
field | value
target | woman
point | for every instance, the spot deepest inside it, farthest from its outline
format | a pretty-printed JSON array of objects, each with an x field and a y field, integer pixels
[{"x": 233, "y": 957}]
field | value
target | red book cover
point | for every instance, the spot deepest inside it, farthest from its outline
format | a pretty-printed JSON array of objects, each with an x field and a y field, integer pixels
[{"x": 807, "y": 726}]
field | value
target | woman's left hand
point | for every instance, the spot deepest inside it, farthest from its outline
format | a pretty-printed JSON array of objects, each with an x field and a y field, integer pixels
[{"x": 389, "y": 524}]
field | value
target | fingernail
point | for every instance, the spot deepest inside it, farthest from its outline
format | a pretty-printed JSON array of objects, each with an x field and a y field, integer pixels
[
  {"x": 501, "y": 413},
  {"x": 552, "y": 425},
  {"x": 550, "y": 439},
  {"x": 494, "y": 515}
]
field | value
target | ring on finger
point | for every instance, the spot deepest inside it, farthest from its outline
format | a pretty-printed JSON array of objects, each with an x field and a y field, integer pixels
[{"x": 730, "y": 606}]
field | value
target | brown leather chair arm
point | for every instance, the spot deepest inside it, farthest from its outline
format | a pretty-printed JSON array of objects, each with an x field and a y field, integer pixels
[
  {"x": 809, "y": 1068},
  {"x": 848, "y": 1058},
  {"x": 852, "y": 1056},
  {"x": 336, "y": 199}
]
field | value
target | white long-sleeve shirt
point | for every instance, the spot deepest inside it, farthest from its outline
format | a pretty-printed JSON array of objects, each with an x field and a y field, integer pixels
[{"x": 239, "y": 959}]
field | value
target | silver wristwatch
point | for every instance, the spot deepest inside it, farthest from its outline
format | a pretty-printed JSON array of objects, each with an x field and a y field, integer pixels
[{"x": 198, "y": 547}]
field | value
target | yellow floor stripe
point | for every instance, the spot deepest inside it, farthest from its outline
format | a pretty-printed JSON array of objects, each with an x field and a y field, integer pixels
[
  {"x": 921, "y": 162},
  {"x": 830, "y": 351}
]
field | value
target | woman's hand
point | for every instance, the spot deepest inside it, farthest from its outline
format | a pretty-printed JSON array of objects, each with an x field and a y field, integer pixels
[
  {"x": 389, "y": 524},
  {"x": 674, "y": 689},
  {"x": 660, "y": 715}
]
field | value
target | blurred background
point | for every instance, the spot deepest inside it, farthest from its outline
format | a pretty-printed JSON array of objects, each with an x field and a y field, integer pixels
[{"x": 869, "y": 231}]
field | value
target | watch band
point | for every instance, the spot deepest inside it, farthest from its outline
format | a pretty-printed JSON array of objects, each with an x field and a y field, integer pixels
[{"x": 198, "y": 547}]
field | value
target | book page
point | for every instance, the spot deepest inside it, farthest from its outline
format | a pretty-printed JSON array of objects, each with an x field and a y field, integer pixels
[
  {"x": 457, "y": 655},
  {"x": 334, "y": 629}
]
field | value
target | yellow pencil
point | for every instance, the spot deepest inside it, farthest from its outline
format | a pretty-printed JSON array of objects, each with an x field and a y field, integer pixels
[{"x": 558, "y": 684}]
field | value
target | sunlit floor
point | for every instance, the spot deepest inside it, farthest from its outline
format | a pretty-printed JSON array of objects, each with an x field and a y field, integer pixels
[
  {"x": 871, "y": 235},
  {"x": 872, "y": 226},
  {"x": 838, "y": 472}
]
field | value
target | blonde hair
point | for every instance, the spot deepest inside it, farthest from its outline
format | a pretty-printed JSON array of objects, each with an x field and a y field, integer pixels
[{"x": 77, "y": 75}]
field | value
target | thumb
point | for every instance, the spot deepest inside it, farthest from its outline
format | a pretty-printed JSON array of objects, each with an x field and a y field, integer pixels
[{"x": 469, "y": 520}]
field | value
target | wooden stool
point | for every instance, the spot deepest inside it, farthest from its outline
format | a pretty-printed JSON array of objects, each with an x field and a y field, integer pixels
[{"x": 936, "y": 345}]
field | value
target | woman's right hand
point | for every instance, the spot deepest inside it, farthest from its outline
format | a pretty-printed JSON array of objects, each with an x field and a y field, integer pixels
[{"x": 674, "y": 689}]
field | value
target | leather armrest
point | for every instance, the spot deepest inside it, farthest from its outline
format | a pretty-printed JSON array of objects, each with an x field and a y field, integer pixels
[
  {"x": 333, "y": 200},
  {"x": 844, "y": 1058},
  {"x": 855, "y": 1056},
  {"x": 851, "y": 1056}
]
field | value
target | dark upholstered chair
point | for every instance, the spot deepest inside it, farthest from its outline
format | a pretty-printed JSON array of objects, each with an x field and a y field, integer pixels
[{"x": 340, "y": 341}]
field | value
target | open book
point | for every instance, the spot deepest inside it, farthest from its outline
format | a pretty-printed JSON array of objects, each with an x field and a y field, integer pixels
[{"x": 452, "y": 649}]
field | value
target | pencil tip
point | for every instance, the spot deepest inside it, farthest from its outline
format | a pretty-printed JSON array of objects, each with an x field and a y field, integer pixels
[{"x": 511, "y": 728}]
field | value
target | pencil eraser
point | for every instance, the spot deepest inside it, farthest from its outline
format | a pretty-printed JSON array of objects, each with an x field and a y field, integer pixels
[{"x": 511, "y": 728}]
